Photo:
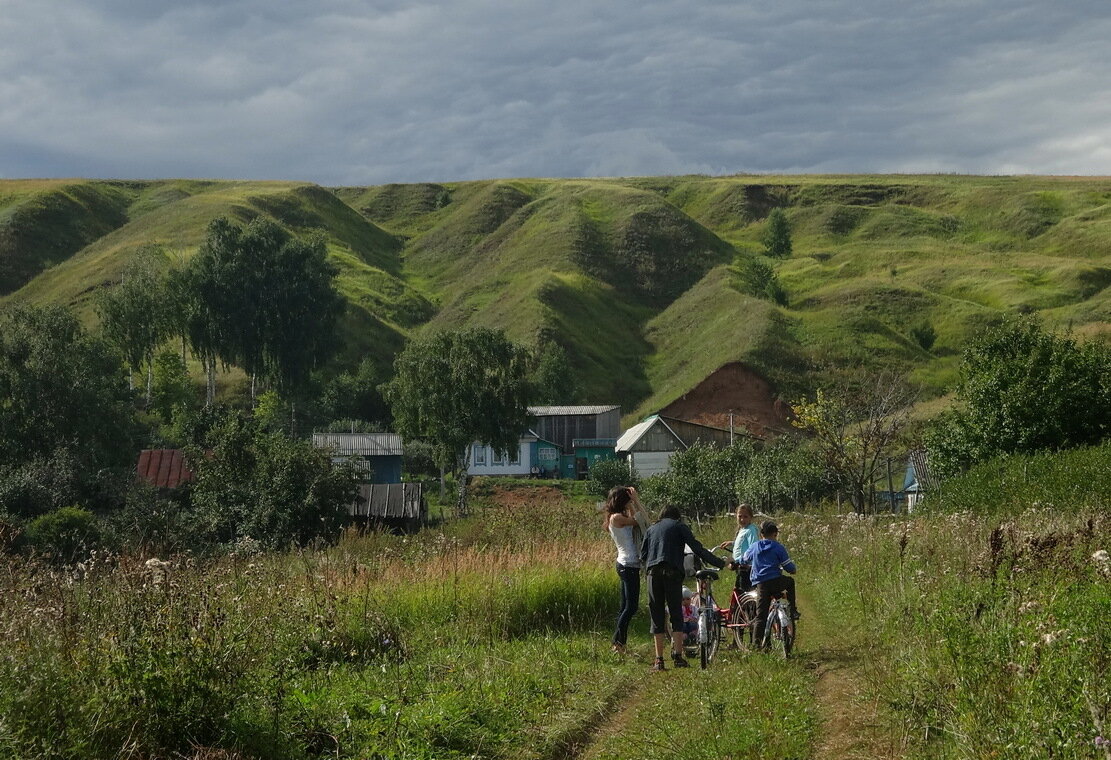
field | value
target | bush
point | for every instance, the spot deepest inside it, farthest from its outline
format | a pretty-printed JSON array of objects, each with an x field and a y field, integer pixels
[
  {"x": 781, "y": 473},
  {"x": 1023, "y": 390},
  {"x": 702, "y": 480},
  {"x": 65, "y": 535},
  {"x": 1066, "y": 482},
  {"x": 757, "y": 278},
  {"x": 274, "y": 489},
  {"x": 420, "y": 459},
  {"x": 608, "y": 473}
]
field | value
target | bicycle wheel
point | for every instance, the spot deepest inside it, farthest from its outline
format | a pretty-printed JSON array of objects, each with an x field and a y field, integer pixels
[
  {"x": 714, "y": 634},
  {"x": 705, "y": 629},
  {"x": 788, "y": 628},
  {"x": 773, "y": 629},
  {"x": 744, "y": 623}
]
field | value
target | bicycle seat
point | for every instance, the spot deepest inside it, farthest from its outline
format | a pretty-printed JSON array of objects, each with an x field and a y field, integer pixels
[{"x": 711, "y": 574}]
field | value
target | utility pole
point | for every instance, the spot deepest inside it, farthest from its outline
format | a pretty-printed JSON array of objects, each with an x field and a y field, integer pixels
[{"x": 730, "y": 427}]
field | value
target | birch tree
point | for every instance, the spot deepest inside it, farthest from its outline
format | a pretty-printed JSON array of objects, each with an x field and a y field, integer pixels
[{"x": 457, "y": 388}]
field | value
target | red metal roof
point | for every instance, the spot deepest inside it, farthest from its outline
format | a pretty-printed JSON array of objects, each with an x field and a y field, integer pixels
[{"x": 163, "y": 468}]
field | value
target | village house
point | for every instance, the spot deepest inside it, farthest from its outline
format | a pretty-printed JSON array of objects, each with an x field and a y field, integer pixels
[
  {"x": 649, "y": 445},
  {"x": 561, "y": 442},
  {"x": 376, "y": 457}
]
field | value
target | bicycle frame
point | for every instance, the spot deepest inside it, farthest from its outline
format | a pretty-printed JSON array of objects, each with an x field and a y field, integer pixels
[
  {"x": 709, "y": 618},
  {"x": 780, "y": 625}
]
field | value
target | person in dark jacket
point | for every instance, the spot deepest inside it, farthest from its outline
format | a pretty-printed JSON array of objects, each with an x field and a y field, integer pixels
[{"x": 662, "y": 553}]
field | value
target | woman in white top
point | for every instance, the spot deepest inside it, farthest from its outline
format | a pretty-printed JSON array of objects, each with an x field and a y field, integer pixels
[{"x": 625, "y": 519}]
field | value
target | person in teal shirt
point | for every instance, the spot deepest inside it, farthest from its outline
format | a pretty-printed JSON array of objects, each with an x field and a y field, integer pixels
[{"x": 747, "y": 535}]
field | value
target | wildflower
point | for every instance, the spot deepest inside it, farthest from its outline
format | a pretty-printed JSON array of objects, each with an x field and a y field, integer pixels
[
  {"x": 1101, "y": 742},
  {"x": 157, "y": 569},
  {"x": 1103, "y": 562}
]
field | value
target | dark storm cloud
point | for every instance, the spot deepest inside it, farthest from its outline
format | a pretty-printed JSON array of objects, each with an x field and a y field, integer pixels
[{"x": 339, "y": 91}]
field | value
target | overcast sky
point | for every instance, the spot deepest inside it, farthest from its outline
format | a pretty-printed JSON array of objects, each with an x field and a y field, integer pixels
[{"x": 374, "y": 91}]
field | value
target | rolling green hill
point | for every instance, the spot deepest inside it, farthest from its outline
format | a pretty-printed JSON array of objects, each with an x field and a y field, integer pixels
[{"x": 641, "y": 280}]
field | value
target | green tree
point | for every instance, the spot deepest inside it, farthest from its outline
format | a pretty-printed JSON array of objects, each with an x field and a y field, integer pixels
[
  {"x": 356, "y": 395},
  {"x": 777, "y": 234},
  {"x": 1021, "y": 390},
  {"x": 62, "y": 400},
  {"x": 172, "y": 388},
  {"x": 454, "y": 388},
  {"x": 702, "y": 480},
  {"x": 261, "y": 299},
  {"x": 134, "y": 314},
  {"x": 552, "y": 377},
  {"x": 854, "y": 425},
  {"x": 255, "y": 484}
]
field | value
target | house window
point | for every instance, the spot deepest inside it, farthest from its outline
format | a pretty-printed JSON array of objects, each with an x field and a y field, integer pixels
[
  {"x": 479, "y": 455},
  {"x": 515, "y": 456},
  {"x": 499, "y": 458}
]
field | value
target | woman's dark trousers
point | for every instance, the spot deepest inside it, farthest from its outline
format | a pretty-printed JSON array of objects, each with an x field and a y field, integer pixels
[{"x": 630, "y": 598}]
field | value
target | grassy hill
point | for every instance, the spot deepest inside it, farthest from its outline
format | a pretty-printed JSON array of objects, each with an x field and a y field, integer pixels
[{"x": 642, "y": 279}]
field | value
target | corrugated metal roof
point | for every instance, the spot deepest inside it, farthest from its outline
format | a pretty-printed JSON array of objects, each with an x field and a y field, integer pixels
[
  {"x": 630, "y": 437},
  {"x": 390, "y": 500},
  {"x": 163, "y": 468},
  {"x": 557, "y": 411},
  {"x": 360, "y": 444}
]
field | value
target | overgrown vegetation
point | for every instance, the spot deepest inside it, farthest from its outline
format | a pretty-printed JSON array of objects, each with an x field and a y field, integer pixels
[
  {"x": 985, "y": 621},
  {"x": 1024, "y": 389}
]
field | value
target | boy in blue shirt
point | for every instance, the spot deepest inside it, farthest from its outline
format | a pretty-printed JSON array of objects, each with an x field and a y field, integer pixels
[{"x": 766, "y": 558}]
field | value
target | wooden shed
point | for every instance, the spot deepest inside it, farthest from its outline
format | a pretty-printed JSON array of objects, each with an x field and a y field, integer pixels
[
  {"x": 375, "y": 456},
  {"x": 649, "y": 445},
  {"x": 398, "y": 506}
]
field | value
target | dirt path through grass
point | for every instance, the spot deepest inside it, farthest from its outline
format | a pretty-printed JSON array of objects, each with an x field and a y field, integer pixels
[
  {"x": 823, "y": 704},
  {"x": 851, "y": 726}
]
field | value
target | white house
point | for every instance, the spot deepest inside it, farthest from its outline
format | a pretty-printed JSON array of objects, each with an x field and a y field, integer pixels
[{"x": 487, "y": 461}]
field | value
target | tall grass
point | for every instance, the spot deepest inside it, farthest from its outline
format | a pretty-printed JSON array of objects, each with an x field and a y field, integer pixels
[
  {"x": 420, "y": 646},
  {"x": 988, "y": 631}
]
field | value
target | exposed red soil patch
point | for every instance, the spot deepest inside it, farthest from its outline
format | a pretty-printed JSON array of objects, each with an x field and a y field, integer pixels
[
  {"x": 515, "y": 498},
  {"x": 737, "y": 389}
]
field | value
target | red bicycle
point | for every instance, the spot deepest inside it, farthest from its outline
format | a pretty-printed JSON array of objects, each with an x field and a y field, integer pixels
[{"x": 740, "y": 616}]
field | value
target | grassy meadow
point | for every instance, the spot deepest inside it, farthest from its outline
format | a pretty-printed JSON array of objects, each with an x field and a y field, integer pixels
[
  {"x": 960, "y": 632},
  {"x": 639, "y": 279}
]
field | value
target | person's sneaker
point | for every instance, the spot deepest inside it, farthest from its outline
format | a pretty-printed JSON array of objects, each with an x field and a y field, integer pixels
[
  {"x": 678, "y": 661},
  {"x": 658, "y": 665},
  {"x": 795, "y": 614}
]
